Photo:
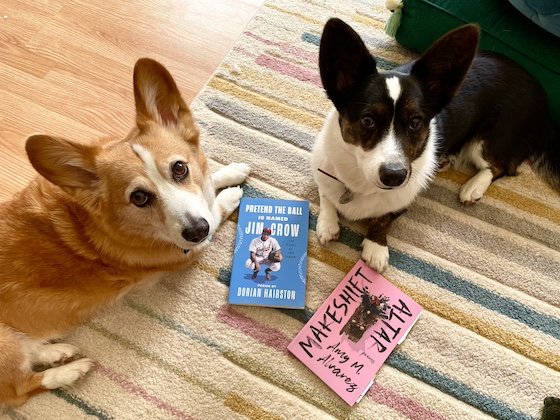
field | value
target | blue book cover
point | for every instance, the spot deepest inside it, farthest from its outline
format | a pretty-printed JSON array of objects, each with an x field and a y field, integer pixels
[{"x": 270, "y": 258}]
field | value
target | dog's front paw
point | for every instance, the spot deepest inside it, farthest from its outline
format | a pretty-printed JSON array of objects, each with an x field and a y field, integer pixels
[
  {"x": 233, "y": 174},
  {"x": 375, "y": 255},
  {"x": 238, "y": 172},
  {"x": 327, "y": 228},
  {"x": 229, "y": 200}
]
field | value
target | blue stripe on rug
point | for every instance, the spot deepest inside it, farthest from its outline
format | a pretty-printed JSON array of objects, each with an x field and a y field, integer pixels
[
  {"x": 232, "y": 136},
  {"x": 311, "y": 38},
  {"x": 484, "y": 211},
  {"x": 174, "y": 326},
  {"x": 81, "y": 404},
  {"x": 490, "y": 300}
]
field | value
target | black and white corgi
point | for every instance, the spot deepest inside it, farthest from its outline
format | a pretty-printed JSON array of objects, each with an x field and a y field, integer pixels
[{"x": 390, "y": 132}]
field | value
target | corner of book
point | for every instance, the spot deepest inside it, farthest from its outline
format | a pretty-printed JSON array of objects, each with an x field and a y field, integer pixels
[{"x": 366, "y": 389}]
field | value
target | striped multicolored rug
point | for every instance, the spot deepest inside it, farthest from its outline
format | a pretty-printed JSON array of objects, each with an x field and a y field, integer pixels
[{"x": 488, "y": 276}]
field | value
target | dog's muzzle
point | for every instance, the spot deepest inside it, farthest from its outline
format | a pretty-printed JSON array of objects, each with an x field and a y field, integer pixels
[{"x": 197, "y": 232}]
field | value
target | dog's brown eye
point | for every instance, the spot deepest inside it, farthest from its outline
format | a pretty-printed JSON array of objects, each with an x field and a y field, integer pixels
[
  {"x": 180, "y": 170},
  {"x": 415, "y": 123},
  {"x": 139, "y": 198},
  {"x": 368, "y": 121}
]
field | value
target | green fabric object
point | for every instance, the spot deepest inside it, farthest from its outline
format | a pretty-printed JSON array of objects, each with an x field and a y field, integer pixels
[
  {"x": 504, "y": 29},
  {"x": 551, "y": 410},
  {"x": 394, "y": 21}
]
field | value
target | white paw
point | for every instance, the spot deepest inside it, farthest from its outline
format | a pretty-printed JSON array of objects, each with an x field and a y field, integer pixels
[
  {"x": 56, "y": 354},
  {"x": 229, "y": 199},
  {"x": 233, "y": 174},
  {"x": 470, "y": 193},
  {"x": 66, "y": 375},
  {"x": 327, "y": 228},
  {"x": 238, "y": 172},
  {"x": 375, "y": 255},
  {"x": 474, "y": 188}
]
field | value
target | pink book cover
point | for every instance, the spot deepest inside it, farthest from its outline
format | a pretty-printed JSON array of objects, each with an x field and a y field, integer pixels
[{"x": 354, "y": 331}]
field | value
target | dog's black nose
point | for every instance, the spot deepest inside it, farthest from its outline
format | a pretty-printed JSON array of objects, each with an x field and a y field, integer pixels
[
  {"x": 392, "y": 175},
  {"x": 198, "y": 230}
]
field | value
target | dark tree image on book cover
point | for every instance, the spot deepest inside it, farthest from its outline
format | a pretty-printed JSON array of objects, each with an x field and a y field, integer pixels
[{"x": 366, "y": 315}]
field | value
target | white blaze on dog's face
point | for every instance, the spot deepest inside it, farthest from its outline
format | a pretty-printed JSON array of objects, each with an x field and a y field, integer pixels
[{"x": 386, "y": 165}]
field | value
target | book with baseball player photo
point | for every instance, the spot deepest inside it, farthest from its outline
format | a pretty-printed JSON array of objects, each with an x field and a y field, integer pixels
[
  {"x": 270, "y": 257},
  {"x": 351, "y": 335}
]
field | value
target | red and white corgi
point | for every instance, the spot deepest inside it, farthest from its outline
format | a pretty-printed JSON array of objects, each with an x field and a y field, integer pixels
[
  {"x": 389, "y": 132},
  {"x": 102, "y": 219}
]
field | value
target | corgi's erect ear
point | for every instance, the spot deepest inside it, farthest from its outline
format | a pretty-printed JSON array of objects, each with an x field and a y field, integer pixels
[
  {"x": 344, "y": 61},
  {"x": 157, "y": 97},
  {"x": 443, "y": 67},
  {"x": 62, "y": 162}
]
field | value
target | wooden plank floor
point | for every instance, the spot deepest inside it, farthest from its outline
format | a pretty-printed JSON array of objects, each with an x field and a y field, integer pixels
[{"x": 66, "y": 65}]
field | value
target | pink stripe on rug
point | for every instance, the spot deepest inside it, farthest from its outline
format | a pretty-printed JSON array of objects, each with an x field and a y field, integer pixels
[
  {"x": 135, "y": 389},
  {"x": 288, "y": 69},
  {"x": 302, "y": 54},
  {"x": 268, "y": 336},
  {"x": 244, "y": 52},
  {"x": 403, "y": 405}
]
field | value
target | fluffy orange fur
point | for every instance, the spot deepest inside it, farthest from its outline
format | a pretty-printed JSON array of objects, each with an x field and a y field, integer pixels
[{"x": 72, "y": 242}]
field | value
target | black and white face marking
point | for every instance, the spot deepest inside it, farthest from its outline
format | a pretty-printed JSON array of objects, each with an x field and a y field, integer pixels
[
  {"x": 188, "y": 219},
  {"x": 398, "y": 135}
]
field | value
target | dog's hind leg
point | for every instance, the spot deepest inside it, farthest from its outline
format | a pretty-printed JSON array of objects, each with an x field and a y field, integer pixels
[
  {"x": 474, "y": 188},
  {"x": 228, "y": 176},
  {"x": 20, "y": 354}
]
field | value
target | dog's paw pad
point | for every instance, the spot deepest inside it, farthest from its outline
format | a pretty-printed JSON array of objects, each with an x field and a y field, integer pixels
[
  {"x": 375, "y": 255},
  {"x": 66, "y": 375},
  {"x": 327, "y": 230}
]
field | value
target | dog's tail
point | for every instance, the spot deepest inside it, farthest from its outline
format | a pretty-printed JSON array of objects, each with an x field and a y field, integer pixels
[{"x": 546, "y": 160}]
